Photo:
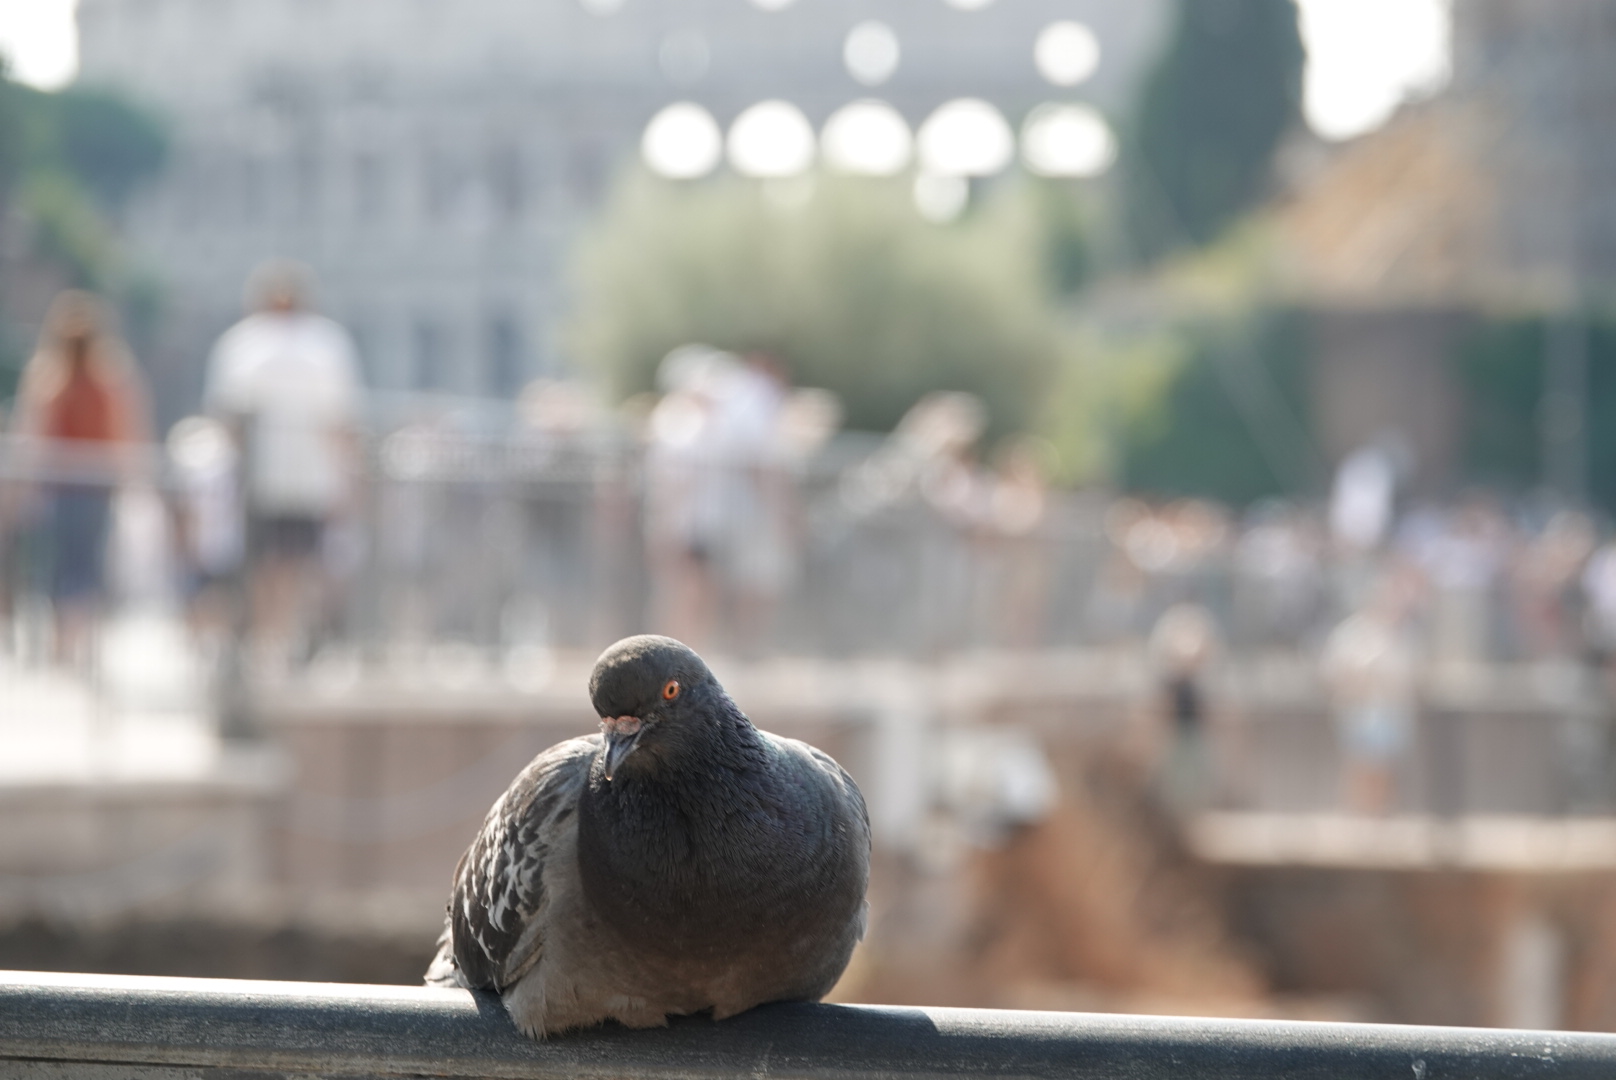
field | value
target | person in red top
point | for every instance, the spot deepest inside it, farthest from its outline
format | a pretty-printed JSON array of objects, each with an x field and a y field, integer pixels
[{"x": 81, "y": 412}]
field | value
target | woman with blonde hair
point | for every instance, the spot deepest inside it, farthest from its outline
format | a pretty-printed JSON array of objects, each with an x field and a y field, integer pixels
[{"x": 81, "y": 412}]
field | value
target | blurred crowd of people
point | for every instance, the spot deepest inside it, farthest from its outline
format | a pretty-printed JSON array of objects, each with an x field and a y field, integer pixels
[
  {"x": 1473, "y": 580},
  {"x": 723, "y": 446},
  {"x": 1389, "y": 597},
  {"x": 741, "y": 485},
  {"x": 246, "y": 490},
  {"x": 83, "y": 417}
]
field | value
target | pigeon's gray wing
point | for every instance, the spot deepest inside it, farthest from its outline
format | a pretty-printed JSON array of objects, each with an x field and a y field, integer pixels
[
  {"x": 852, "y": 797},
  {"x": 849, "y": 799},
  {"x": 496, "y": 923},
  {"x": 850, "y": 819},
  {"x": 853, "y": 828}
]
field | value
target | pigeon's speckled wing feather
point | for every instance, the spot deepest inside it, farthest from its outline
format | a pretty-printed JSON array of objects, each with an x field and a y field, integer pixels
[{"x": 496, "y": 925}]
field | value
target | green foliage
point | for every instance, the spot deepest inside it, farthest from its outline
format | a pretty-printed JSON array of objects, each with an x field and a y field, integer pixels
[
  {"x": 1602, "y": 412},
  {"x": 13, "y": 356},
  {"x": 1501, "y": 366},
  {"x": 68, "y": 233},
  {"x": 1061, "y": 223},
  {"x": 13, "y": 133},
  {"x": 1231, "y": 424},
  {"x": 105, "y": 144},
  {"x": 68, "y": 162},
  {"x": 1209, "y": 118},
  {"x": 1207, "y": 431},
  {"x": 1104, "y": 388},
  {"x": 842, "y": 280},
  {"x": 108, "y": 144}
]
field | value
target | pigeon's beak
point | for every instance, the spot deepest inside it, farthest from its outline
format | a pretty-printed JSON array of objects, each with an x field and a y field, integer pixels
[{"x": 622, "y": 736}]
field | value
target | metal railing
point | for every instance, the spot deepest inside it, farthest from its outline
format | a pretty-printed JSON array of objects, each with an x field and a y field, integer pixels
[
  {"x": 473, "y": 555},
  {"x": 500, "y": 539},
  {"x": 74, "y": 1026}
]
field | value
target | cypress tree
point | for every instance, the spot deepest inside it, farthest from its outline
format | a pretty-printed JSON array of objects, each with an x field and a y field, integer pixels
[{"x": 1209, "y": 118}]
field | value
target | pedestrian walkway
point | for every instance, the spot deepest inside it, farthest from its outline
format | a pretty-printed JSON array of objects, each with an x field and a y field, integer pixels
[{"x": 140, "y": 714}]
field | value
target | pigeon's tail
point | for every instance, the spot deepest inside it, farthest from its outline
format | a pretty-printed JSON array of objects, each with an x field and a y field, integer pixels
[{"x": 443, "y": 971}]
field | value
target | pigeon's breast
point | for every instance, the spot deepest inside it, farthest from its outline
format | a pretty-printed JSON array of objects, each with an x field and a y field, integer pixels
[{"x": 762, "y": 872}]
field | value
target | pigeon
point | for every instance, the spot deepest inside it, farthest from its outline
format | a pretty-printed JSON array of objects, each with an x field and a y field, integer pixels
[{"x": 681, "y": 861}]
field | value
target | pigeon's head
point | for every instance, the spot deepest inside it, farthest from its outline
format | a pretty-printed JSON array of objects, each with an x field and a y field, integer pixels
[{"x": 651, "y": 693}]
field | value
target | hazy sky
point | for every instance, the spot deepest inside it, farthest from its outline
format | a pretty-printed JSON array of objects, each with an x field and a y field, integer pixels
[
  {"x": 1364, "y": 56},
  {"x": 37, "y": 37}
]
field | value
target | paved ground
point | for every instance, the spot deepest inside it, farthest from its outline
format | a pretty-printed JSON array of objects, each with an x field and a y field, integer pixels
[{"x": 141, "y": 716}]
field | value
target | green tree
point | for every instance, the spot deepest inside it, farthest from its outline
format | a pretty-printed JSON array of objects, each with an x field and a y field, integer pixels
[
  {"x": 110, "y": 145},
  {"x": 68, "y": 162},
  {"x": 1233, "y": 422},
  {"x": 13, "y": 133},
  {"x": 103, "y": 142},
  {"x": 1501, "y": 365},
  {"x": 1061, "y": 222},
  {"x": 1208, "y": 120},
  {"x": 846, "y": 284}
]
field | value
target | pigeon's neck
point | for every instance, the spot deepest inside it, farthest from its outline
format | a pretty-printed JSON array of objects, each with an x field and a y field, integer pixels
[
  {"x": 683, "y": 774},
  {"x": 728, "y": 744}
]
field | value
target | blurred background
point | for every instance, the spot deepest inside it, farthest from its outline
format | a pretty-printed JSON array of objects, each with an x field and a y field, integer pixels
[{"x": 1163, "y": 449}]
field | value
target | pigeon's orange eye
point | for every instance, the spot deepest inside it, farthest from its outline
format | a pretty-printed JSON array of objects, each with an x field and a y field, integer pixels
[{"x": 670, "y": 690}]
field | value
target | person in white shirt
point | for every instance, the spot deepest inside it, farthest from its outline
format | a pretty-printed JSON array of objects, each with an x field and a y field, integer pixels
[{"x": 286, "y": 381}]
